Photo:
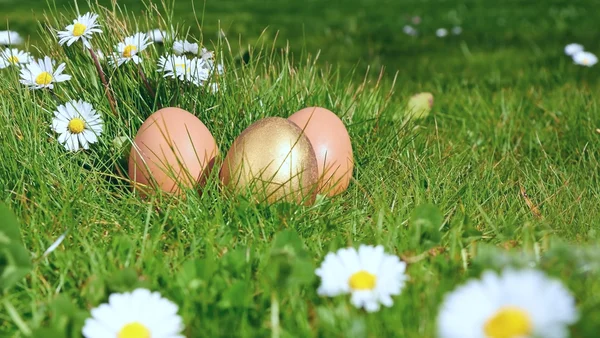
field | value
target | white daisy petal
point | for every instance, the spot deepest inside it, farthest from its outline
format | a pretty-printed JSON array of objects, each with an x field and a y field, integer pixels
[
  {"x": 41, "y": 74},
  {"x": 13, "y": 57},
  {"x": 10, "y": 38},
  {"x": 573, "y": 48},
  {"x": 82, "y": 29},
  {"x": 513, "y": 304},
  {"x": 129, "y": 49},
  {"x": 141, "y": 311},
  {"x": 441, "y": 32},
  {"x": 71, "y": 121},
  {"x": 369, "y": 274},
  {"x": 585, "y": 59}
]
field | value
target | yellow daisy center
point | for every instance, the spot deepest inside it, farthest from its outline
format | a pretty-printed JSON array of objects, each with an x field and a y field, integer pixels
[
  {"x": 362, "y": 280},
  {"x": 76, "y": 125},
  {"x": 181, "y": 66},
  {"x": 13, "y": 59},
  {"x": 134, "y": 330},
  {"x": 585, "y": 61},
  {"x": 129, "y": 51},
  {"x": 78, "y": 29},
  {"x": 508, "y": 322},
  {"x": 44, "y": 78}
]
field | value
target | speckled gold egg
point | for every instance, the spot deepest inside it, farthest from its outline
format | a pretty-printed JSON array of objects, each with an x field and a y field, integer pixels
[
  {"x": 332, "y": 146},
  {"x": 173, "y": 150},
  {"x": 273, "y": 161}
]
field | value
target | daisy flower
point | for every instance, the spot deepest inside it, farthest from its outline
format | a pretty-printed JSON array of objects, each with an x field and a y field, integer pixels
[
  {"x": 10, "y": 38},
  {"x": 136, "y": 314},
  {"x": 409, "y": 30},
  {"x": 573, "y": 48},
  {"x": 514, "y": 304},
  {"x": 41, "y": 74},
  {"x": 78, "y": 124},
  {"x": 441, "y": 32},
  {"x": 456, "y": 30},
  {"x": 175, "y": 66},
  {"x": 82, "y": 28},
  {"x": 184, "y": 47},
  {"x": 130, "y": 48},
  {"x": 585, "y": 59},
  {"x": 368, "y": 274},
  {"x": 157, "y": 35},
  {"x": 13, "y": 57},
  {"x": 184, "y": 69}
]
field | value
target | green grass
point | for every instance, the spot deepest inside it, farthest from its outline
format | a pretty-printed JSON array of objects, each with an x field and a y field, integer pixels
[{"x": 511, "y": 112}]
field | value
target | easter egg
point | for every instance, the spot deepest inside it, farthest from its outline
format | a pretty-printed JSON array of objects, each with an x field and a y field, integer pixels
[
  {"x": 273, "y": 161},
  {"x": 173, "y": 150},
  {"x": 332, "y": 146}
]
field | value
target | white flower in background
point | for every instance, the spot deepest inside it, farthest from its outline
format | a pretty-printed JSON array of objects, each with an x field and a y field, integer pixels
[
  {"x": 573, "y": 48},
  {"x": 184, "y": 47},
  {"x": 409, "y": 30},
  {"x": 514, "y": 304},
  {"x": 130, "y": 48},
  {"x": 78, "y": 125},
  {"x": 213, "y": 87},
  {"x": 456, "y": 30},
  {"x": 585, "y": 59},
  {"x": 207, "y": 54},
  {"x": 13, "y": 57},
  {"x": 200, "y": 71},
  {"x": 370, "y": 275},
  {"x": 175, "y": 66},
  {"x": 41, "y": 74},
  {"x": 136, "y": 314},
  {"x": 10, "y": 38},
  {"x": 157, "y": 35},
  {"x": 190, "y": 70},
  {"x": 82, "y": 29},
  {"x": 209, "y": 62},
  {"x": 441, "y": 32}
]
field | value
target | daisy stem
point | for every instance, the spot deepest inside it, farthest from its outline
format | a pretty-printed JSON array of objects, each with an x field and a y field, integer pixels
[
  {"x": 111, "y": 100},
  {"x": 146, "y": 83},
  {"x": 14, "y": 315},
  {"x": 275, "y": 328}
]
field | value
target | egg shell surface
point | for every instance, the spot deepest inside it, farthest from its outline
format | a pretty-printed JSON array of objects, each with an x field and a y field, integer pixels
[
  {"x": 331, "y": 143},
  {"x": 172, "y": 150}
]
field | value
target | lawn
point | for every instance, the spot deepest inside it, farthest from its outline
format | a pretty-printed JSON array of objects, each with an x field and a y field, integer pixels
[{"x": 504, "y": 172}]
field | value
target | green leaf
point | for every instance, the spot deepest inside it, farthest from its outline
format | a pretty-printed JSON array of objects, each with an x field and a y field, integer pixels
[
  {"x": 197, "y": 273},
  {"x": 125, "y": 280},
  {"x": 236, "y": 296},
  {"x": 425, "y": 222},
  {"x": 15, "y": 260},
  {"x": 49, "y": 333},
  {"x": 66, "y": 316},
  {"x": 419, "y": 106},
  {"x": 289, "y": 263}
]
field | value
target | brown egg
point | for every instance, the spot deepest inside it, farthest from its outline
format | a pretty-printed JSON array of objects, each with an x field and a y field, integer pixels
[
  {"x": 172, "y": 150},
  {"x": 332, "y": 146},
  {"x": 272, "y": 160}
]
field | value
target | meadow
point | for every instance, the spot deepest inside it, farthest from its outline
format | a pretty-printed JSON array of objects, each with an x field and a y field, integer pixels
[{"x": 504, "y": 172}]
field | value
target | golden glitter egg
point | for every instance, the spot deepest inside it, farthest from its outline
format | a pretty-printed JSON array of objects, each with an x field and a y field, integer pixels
[{"x": 273, "y": 161}]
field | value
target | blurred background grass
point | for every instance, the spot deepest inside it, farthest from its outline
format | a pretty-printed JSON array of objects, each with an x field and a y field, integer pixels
[{"x": 510, "y": 35}]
